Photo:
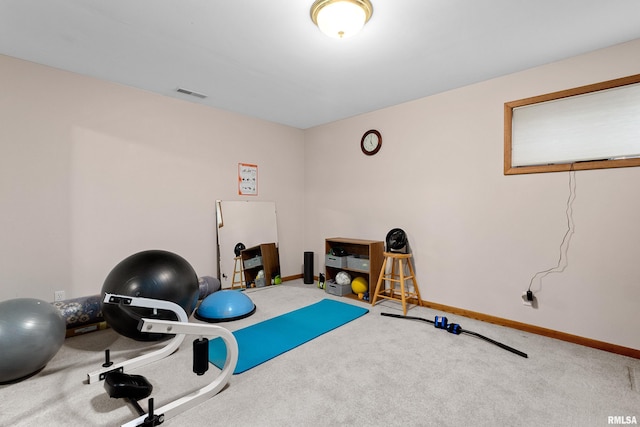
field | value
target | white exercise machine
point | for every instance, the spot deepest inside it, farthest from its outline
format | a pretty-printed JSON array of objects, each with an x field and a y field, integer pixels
[{"x": 133, "y": 387}]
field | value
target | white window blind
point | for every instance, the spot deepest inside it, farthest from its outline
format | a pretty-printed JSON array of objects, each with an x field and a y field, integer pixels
[{"x": 602, "y": 125}]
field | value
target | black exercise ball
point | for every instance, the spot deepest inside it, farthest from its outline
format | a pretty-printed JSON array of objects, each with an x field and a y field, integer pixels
[{"x": 150, "y": 274}]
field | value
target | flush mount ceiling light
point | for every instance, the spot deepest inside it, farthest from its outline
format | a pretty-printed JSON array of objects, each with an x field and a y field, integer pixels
[{"x": 341, "y": 18}]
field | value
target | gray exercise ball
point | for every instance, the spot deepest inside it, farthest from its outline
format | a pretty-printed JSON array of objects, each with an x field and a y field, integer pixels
[{"x": 31, "y": 333}]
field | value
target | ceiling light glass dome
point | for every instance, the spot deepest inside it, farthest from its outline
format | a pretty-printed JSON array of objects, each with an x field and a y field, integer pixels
[{"x": 341, "y": 18}]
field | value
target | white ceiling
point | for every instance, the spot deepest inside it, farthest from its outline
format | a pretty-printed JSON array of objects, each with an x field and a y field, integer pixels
[{"x": 266, "y": 59}]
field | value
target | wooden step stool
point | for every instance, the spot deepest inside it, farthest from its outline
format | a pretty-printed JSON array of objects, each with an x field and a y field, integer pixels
[
  {"x": 397, "y": 275},
  {"x": 238, "y": 272}
]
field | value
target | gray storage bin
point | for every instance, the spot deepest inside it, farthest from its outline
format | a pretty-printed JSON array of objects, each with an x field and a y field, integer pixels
[
  {"x": 253, "y": 262},
  {"x": 335, "y": 261},
  {"x": 260, "y": 282},
  {"x": 358, "y": 262},
  {"x": 333, "y": 288}
]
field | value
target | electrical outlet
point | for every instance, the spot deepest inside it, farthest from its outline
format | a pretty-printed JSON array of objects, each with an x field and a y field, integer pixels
[
  {"x": 58, "y": 296},
  {"x": 525, "y": 300}
]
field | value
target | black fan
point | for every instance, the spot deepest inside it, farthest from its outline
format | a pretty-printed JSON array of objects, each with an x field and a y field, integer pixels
[
  {"x": 239, "y": 248},
  {"x": 397, "y": 240}
]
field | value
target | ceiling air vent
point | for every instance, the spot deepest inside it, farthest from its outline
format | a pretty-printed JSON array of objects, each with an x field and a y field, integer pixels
[{"x": 192, "y": 93}]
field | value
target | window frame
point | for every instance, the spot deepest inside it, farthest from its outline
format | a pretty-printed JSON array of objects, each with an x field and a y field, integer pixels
[{"x": 560, "y": 167}]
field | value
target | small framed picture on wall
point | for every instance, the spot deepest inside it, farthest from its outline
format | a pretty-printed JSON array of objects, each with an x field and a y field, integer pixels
[{"x": 247, "y": 179}]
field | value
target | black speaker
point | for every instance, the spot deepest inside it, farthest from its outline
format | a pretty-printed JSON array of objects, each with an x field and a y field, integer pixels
[{"x": 308, "y": 268}]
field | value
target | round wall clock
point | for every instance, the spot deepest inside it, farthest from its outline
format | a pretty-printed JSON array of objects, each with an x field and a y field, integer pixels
[{"x": 371, "y": 142}]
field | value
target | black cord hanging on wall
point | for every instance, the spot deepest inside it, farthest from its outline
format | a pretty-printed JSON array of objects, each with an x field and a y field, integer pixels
[{"x": 563, "y": 262}]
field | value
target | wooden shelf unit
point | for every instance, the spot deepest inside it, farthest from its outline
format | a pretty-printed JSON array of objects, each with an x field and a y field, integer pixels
[
  {"x": 270, "y": 262},
  {"x": 372, "y": 249}
]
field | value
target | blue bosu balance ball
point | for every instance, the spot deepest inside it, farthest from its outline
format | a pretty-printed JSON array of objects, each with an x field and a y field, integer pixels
[{"x": 225, "y": 306}]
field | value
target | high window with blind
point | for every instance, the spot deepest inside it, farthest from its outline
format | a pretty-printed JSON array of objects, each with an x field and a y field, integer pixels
[{"x": 589, "y": 127}]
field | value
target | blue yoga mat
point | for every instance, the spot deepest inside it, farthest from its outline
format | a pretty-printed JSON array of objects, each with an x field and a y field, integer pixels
[{"x": 266, "y": 340}]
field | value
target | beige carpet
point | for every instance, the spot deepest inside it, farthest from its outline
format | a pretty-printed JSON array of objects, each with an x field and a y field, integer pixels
[{"x": 374, "y": 371}]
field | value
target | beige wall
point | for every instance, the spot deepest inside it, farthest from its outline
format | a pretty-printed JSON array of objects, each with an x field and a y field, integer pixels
[
  {"x": 478, "y": 236},
  {"x": 92, "y": 172}
]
